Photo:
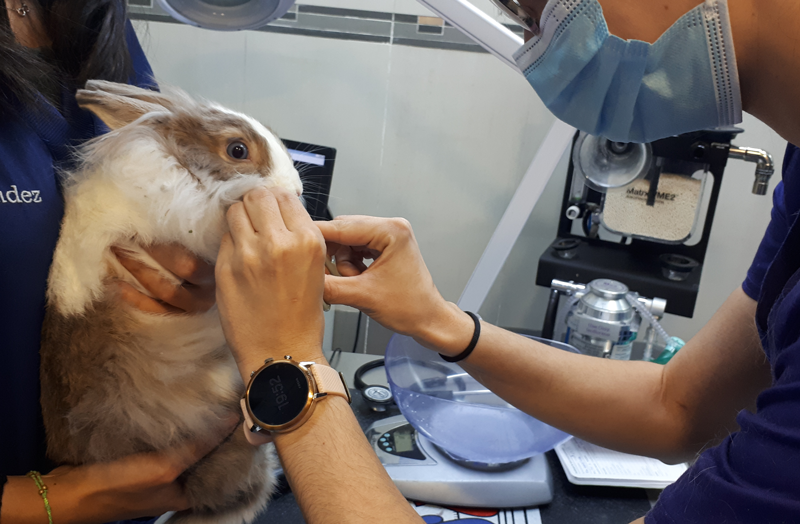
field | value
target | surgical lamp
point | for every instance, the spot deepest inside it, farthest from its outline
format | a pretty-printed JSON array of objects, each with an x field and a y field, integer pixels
[{"x": 226, "y": 15}]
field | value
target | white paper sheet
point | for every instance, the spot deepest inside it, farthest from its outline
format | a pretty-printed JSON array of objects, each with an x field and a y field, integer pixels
[{"x": 587, "y": 464}]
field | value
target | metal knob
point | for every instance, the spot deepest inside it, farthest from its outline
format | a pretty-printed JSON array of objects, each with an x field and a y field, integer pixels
[
  {"x": 761, "y": 185},
  {"x": 573, "y": 212}
]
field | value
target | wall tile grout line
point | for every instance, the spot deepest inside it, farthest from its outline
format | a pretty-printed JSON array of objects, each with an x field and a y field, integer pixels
[{"x": 348, "y": 13}]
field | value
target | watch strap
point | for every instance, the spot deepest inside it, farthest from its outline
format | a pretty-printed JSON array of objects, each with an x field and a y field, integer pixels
[
  {"x": 251, "y": 433},
  {"x": 329, "y": 381}
]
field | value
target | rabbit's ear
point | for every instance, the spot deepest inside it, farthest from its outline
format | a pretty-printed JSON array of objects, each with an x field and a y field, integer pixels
[
  {"x": 127, "y": 90},
  {"x": 115, "y": 109}
]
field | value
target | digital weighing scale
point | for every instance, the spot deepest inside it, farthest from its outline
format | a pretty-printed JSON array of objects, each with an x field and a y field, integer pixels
[{"x": 424, "y": 472}]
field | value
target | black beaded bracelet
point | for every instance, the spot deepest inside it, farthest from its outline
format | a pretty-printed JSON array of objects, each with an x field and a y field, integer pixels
[{"x": 474, "y": 342}]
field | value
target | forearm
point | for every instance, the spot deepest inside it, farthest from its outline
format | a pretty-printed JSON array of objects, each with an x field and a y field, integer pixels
[
  {"x": 131, "y": 487},
  {"x": 669, "y": 412},
  {"x": 23, "y": 505},
  {"x": 612, "y": 403},
  {"x": 334, "y": 473},
  {"x": 720, "y": 372},
  {"x": 665, "y": 411},
  {"x": 616, "y": 404}
]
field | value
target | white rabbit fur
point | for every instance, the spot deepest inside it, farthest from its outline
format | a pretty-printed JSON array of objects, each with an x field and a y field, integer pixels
[
  {"x": 117, "y": 381},
  {"x": 140, "y": 191}
]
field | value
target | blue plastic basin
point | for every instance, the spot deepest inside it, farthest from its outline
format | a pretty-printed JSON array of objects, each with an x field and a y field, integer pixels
[{"x": 459, "y": 414}]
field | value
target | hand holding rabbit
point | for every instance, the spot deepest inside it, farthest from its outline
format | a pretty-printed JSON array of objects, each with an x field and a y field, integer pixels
[
  {"x": 194, "y": 294},
  {"x": 135, "y": 486}
]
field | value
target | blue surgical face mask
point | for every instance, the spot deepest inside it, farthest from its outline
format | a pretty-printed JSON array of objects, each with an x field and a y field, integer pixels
[{"x": 632, "y": 91}]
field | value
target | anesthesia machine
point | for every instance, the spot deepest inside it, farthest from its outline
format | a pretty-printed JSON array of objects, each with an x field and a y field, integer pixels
[{"x": 638, "y": 217}]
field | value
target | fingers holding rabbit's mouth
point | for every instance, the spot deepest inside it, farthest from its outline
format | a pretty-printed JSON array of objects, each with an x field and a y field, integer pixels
[{"x": 275, "y": 189}]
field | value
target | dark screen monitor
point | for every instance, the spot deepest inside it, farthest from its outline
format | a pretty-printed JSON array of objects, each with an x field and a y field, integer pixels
[{"x": 315, "y": 165}]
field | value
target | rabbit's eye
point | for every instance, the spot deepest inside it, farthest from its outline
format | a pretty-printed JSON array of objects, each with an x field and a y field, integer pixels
[{"x": 237, "y": 150}]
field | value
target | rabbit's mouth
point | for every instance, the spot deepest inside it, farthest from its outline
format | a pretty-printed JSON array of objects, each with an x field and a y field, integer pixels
[{"x": 235, "y": 190}]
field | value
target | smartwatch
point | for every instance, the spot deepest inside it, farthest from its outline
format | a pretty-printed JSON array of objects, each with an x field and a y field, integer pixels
[{"x": 282, "y": 394}]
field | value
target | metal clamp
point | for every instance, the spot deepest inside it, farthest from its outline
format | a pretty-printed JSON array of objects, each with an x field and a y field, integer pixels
[{"x": 765, "y": 165}]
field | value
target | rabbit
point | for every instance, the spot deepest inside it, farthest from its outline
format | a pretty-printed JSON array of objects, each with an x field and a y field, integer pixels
[{"x": 117, "y": 381}]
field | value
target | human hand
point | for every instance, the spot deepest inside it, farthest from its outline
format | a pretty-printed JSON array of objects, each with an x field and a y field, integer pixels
[
  {"x": 270, "y": 278},
  {"x": 396, "y": 290},
  {"x": 139, "y": 485},
  {"x": 534, "y": 8},
  {"x": 195, "y": 295}
]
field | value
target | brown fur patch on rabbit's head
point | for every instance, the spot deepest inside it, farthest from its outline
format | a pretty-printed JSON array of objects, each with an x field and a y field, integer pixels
[
  {"x": 208, "y": 140},
  {"x": 192, "y": 135}
]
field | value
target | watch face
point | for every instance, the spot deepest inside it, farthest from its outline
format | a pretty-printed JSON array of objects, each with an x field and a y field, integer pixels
[{"x": 278, "y": 394}]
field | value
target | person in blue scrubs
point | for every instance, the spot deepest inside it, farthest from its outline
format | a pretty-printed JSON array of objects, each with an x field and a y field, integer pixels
[
  {"x": 729, "y": 399},
  {"x": 47, "y": 50}
]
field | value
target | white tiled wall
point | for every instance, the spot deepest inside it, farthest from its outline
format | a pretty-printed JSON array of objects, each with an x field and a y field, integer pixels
[
  {"x": 439, "y": 137},
  {"x": 405, "y": 7}
]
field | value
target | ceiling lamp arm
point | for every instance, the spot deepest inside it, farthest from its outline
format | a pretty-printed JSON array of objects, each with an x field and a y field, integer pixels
[{"x": 480, "y": 27}]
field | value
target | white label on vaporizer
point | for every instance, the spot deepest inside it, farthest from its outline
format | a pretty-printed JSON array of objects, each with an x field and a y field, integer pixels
[
  {"x": 584, "y": 345},
  {"x": 595, "y": 329},
  {"x": 621, "y": 352}
]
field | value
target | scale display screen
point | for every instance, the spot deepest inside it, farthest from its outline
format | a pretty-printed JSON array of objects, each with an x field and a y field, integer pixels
[{"x": 401, "y": 441}]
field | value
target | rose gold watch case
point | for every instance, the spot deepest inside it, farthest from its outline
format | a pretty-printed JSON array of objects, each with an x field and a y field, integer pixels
[{"x": 311, "y": 398}]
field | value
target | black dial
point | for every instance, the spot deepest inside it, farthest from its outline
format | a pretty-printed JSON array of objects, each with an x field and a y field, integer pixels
[{"x": 278, "y": 394}]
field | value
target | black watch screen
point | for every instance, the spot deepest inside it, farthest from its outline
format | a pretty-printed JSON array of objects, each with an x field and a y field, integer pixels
[{"x": 278, "y": 394}]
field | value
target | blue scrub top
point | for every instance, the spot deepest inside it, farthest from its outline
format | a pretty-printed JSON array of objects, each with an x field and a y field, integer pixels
[
  {"x": 753, "y": 476},
  {"x": 32, "y": 144}
]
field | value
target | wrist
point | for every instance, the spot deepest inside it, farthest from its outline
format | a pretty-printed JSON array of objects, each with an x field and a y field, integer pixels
[
  {"x": 22, "y": 503},
  {"x": 333, "y": 406},
  {"x": 449, "y": 332},
  {"x": 71, "y": 495},
  {"x": 300, "y": 351}
]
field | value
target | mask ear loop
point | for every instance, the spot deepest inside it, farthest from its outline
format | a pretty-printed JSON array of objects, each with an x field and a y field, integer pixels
[{"x": 517, "y": 13}]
